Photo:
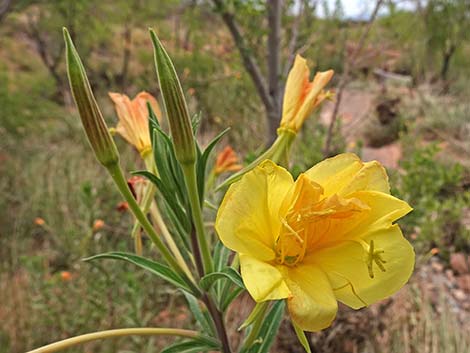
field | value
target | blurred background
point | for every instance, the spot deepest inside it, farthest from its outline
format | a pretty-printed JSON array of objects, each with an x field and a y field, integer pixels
[{"x": 402, "y": 88}]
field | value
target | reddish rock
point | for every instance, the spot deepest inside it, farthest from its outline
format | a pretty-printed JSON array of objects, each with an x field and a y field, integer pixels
[
  {"x": 459, "y": 263},
  {"x": 463, "y": 282}
]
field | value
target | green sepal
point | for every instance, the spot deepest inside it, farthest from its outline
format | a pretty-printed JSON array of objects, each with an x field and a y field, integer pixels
[
  {"x": 302, "y": 338},
  {"x": 93, "y": 123},
  {"x": 268, "y": 330},
  {"x": 258, "y": 310},
  {"x": 175, "y": 104}
]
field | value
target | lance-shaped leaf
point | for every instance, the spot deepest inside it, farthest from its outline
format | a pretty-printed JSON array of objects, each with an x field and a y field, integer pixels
[{"x": 92, "y": 120}]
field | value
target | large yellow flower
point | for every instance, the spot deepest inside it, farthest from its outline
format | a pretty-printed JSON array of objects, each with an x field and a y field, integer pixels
[
  {"x": 302, "y": 96},
  {"x": 134, "y": 119},
  {"x": 328, "y": 236}
]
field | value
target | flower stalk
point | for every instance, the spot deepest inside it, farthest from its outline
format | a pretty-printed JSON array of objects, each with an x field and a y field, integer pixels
[{"x": 143, "y": 331}]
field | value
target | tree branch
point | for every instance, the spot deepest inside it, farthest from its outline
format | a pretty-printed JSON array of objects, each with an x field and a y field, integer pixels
[
  {"x": 349, "y": 62},
  {"x": 5, "y": 7},
  {"x": 248, "y": 60}
]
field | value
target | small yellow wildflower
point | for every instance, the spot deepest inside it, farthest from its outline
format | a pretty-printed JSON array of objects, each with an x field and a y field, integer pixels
[
  {"x": 133, "y": 118},
  {"x": 328, "y": 236},
  {"x": 227, "y": 161},
  {"x": 302, "y": 96}
]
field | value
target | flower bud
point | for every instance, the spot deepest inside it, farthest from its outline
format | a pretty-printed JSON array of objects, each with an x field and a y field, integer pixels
[
  {"x": 175, "y": 104},
  {"x": 92, "y": 120}
]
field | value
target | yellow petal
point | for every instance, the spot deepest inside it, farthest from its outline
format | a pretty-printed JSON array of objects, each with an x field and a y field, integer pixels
[
  {"x": 296, "y": 85},
  {"x": 140, "y": 104},
  {"x": 320, "y": 80},
  {"x": 346, "y": 173},
  {"x": 372, "y": 176},
  {"x": 335, "y": 173},
  {"x": 312, "y": 305},
  {"x": 262, "y": 280},
  {"x": 384, "y": 210},
  {"x": 125, "y": 127},
  {"x": 248, "y": 219},
  {"x": 348, "y": 273}
]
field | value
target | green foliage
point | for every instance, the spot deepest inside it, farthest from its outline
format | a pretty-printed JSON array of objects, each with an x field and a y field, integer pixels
[{"x": 434, "y": 191}]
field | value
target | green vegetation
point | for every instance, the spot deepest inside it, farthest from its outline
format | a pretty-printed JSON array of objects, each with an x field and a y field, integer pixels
[{"x": 52, "y": 191}]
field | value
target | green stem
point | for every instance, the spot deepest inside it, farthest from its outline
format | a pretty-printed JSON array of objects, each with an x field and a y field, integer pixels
[
  {"x": 158, "y": 220},
  {"x": 70, "y": 342},
  {"x": 121, "y": 183},
  {"x": 277, "y": 153},
  {"x": 202, "y": 245}
]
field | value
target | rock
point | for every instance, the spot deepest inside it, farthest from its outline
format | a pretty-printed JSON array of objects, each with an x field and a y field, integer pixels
[
  {"x": 459, "y": 294},
  {"x": 463, "y": 282},
  {"x": 459, "y": 263}
]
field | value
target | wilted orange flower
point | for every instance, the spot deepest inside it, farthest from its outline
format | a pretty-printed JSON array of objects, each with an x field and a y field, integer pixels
[
  {"x": 302, "y": 96},
  {"x": 227, "y": 161},
  {"x": 137, "y": 184},
  {"x": 98, "y": 224},
  {"x": 39, "y": 221},
  {"x": 122, "y": 206},
  {"x": 65, "y": 276},
  {"x": 133, "y": 118}
]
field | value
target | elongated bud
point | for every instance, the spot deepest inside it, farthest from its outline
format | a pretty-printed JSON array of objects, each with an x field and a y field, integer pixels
[
  {"x": 175, "y": 104},
  {"x": 92, "y": 120}
]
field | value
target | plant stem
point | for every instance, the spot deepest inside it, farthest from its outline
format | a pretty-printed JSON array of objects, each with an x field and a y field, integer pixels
[
  {"x": 202, "y": 245},
  {"x": 218, "y": 322},
  {"x": 158, "y": 220},
  {"x": 143, "y": 331},
  {"x": 121, "y": 183},
  {"x": 277, "y": 153}
]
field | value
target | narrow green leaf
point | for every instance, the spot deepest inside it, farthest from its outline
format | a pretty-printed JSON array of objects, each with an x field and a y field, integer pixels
[
  {"x": 156, "y": 268},
  {"x": 188, "y": 347},
  {"x": 302, "y": 338},
  {"x": 200, "y": 314},
  {"x": 202, "y": 163},
  {"x": 208, "y": 280},
  {"x": 221, "y": 256},
  {"x": 230, "y": 297},
  {"x": 258, "y": 310},
  {"x": 269, "y": 329}
]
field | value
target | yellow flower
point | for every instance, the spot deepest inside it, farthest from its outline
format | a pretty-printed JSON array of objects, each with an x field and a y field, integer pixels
[
  {"x": 133, "y": 118},
  {"x": 227, "y": 161},
  {"x": 302, "y": 96},
  {"x": 328, "y": 236}
]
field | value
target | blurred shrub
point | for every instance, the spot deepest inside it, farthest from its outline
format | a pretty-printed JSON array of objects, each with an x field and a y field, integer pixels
[{"x": 434, "y": 189}]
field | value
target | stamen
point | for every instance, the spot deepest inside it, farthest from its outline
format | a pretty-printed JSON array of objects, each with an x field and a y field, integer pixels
[{"x": 373, "y": 256}]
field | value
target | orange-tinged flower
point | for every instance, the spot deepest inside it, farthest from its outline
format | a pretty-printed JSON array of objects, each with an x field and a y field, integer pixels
[
  {"x": 227, "y": 161},
  {"x": 98, "y": 224},
  {"x": 122, "y": 206},
  {"x": 328, "y": 236},
  {"x": 65, "y": 276},
  {"x": 302, "y": 96},
  {"x": 134, "y": 119},
  {"x": 39, "y": 221}
]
